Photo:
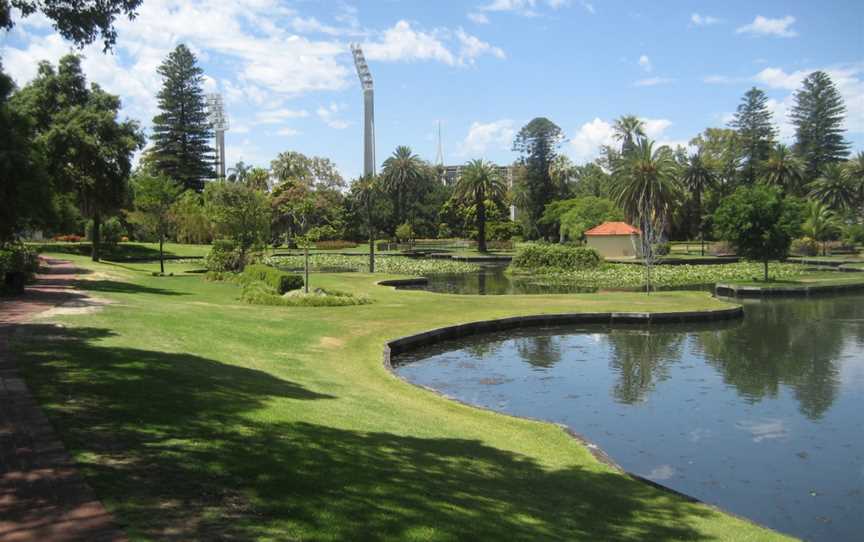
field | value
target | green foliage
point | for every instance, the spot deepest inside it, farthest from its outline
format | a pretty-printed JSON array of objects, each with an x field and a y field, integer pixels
[
  {"x": 259, "y": 293},
  {"x": 759, "y": 222},
  {"x": 238, "y": 212},
  {"x": 190, "y": 220},
  {"x": 181, "y": 131},
  {"x": 503, "y": 231},
  {"x": 225, "y": 256},
  {"x": 818, "y": 116},
  {"x": 628, "y": 130},
  {"x": 537, "y": 143},
  {"x": 581, "y": 214},
  {"x": 835, "y": 188},
  {"x": 111, "y": 232},
  {"x": 646, "y": 185},
  {"x": 853, "y": 234},
  {"x": 804, "y": 246},
  {"x": 784, "y": 169},
  {"x": 279, "y": 281},
  {"x": 662, "y": 249},
  {"x": 79, "y": 22},
  {"x": 395, "y": 265},
  {"x": 335, "y": 244},
  {"x": 313, "y": 172},
  {"x": 480, "y": 181},
  {"x": 755, "y": 127},
  {"x": 405, "y": 232},
  {"x": 543, "y": 257},
  {"x": 18, "y": 264},
  {"x": 153, "y": 197}
]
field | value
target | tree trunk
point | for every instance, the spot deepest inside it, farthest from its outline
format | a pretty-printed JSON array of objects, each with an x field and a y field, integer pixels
[
  {"x": 95, "y": 241},
  {"x": 306, "y": 268},
  {"x": 161, "y": 254},
  {"x": 371, "y": 253},
  {"x": 481, "y": 224}
]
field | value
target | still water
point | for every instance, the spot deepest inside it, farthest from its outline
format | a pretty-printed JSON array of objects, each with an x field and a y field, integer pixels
[{"x": 763, "y": 417}]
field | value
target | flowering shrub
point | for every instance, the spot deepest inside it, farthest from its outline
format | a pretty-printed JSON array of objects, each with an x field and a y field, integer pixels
[{"x": 69, "y": 238}]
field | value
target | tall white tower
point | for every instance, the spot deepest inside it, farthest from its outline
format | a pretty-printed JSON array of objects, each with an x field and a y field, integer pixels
[
  {"x": 219, "y": 121},
  {"x": 368, "y": 109}
]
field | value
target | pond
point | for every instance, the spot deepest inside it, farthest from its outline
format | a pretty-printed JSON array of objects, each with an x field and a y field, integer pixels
[{"x": 763, "y": 417}]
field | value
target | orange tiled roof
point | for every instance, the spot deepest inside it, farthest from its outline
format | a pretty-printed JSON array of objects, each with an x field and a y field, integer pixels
[{"x": 613, "y": 228}]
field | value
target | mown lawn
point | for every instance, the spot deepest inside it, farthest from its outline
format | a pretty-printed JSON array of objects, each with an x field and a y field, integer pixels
[{"x": 196, "y": 417}]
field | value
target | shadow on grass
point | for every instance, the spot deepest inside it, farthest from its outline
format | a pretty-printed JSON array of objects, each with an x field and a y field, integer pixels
[
  {"x": 173, "y": 445},
  {"x": 112, "y": 286}
]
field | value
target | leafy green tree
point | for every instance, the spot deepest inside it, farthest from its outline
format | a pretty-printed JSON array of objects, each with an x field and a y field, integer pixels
[
  {"x": 818, "y": 116},
  {"x": 854, "y": 171},
  {"x": 834, "y": 188},
  {"x": 759, "y": 222},
  {"x": 723, "y": 150},
  {"x": 784, "y": 170},
  {"x": 480, "y": 181},
  {"x": 368, "y": 199},
  {"x": 88, "y": 150},
  {"x": 820, "y": 223},
  {"x": 628, "y": 129},
  {"x": 585, "y": 213},
  {"x": 181, "y": 131},
  {"x": 697, "y": 176},
  {"x": 153, "y": 198},
  {"x": 753, "y": 122},
  {"x": 563, "y": 172},
  {"x": 25, "y": 191},
  {"x": 591, "y": 180},
  {"x": 190, "y": 219},
  {"x": 80, "y": 21},
  {"x": 238, "y": 213},
  {"x": 257, "y": 179},
  {"x": 238, "y": 172},
  {"x": 537, "y": 143},
  {"x": 315, "y": 172},
  {"x": 646, "y": 185},
  {"x": 401, "y": 170}
]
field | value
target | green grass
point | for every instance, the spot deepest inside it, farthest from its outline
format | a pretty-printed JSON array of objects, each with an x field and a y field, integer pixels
[
  {"x": 816, "y": 278},
  {"x": 197, "y": 417},
  {"x": 126, "y": 251}
]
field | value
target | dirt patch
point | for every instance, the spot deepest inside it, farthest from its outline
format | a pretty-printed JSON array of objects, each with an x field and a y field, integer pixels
[
  {"x": 331, "y": 342},
  {"x": 80, "y": 303}
]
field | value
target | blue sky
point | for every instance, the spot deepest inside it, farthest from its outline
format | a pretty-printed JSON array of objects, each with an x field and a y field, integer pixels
[{"x": 483, "y": 69}]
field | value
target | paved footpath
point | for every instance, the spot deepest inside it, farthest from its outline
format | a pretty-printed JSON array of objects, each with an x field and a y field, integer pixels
[{"x": 42, "y": 496}]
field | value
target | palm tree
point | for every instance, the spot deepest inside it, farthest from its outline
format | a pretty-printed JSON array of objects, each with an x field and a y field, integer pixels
[
  {"x": 854, "y": 171},
  {"x": 820, "y": 223},
  {"x": 402, "y": 169},
  {"x": 238, "y": 173},
  {"x": 783, "y": 169},
  {"x": 368, "y": 190},
  {"x": 628, "y": 129},
  {"x": 561, "y": 170},
  {"x": 645, "y": 182},
  {"x": 834, "y": 188},
  {"x": 696, "y": 177},
  {"x": 479, "y": 181}
]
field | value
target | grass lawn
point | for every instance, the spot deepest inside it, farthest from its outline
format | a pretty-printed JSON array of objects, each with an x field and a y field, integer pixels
[
  {"x": 127, "y": 250},
  {"x": 196, "y": 417},
  {"x": 816, "y": 278}
]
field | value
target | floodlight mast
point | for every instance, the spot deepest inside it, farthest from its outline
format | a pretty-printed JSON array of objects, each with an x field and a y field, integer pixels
[
  {"x": 368, "y": 109},
  {"x": 219, "y": 121}
]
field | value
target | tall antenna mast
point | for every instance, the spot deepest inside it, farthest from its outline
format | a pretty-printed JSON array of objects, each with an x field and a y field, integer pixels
[
  {"x": 219, "y": 121},
  {"x": 368, "y": 109},
  {"x": 439, "y": 158}
]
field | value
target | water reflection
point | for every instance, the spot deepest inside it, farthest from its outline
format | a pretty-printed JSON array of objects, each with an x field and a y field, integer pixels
[{"x": 762, "y": 416}]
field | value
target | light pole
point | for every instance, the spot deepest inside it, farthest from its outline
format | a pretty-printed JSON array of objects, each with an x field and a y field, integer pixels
[
  {"x": 219, "y": 120},
  {"x": 368, "y": 109}
]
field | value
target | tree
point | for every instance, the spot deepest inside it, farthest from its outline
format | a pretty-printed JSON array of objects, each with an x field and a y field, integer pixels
[
  {"x": 315, "y": 172},
  {"x": 401, "y": 170},
  {"x": 238, "y": 172},
  {"x": 88, "y": 150},
  {"x": 153, "y": 197},
  {"x": 181, "y": 131},
  {"x": 646, "y": 189},
  {"x": 238, "y": 213},
  {"x": 25, "y": 191},
  {"x": 480, "y": 181},
  {"x": 723, "y": 151},
  {"x": 80, "y": 21},
  {"x": 784, "y": 170},
  {"x": 834, "y": 188},
  {"x": 562, "y": 171},
  {"x": 759, "y": 222},
  {"x": 367, "y": 194},
  {"x": 582, "y": 214},
  {"x": 818, "y": 116},
  {"x": 820, "y": 223},
  {"x": 753, "y": 123},
  {"x": 537, "y": 143},
  {"x": 628, "y": 129},
  {"x": 697, "y": 177},
  {"x": 190, "y": 219},
  {"x": 854, "y": 172},
  {"x": 257, "y": 179}
]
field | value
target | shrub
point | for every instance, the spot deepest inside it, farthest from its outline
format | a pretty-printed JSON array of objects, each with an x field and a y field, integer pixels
[
  {"x": 502, "y": 231},
  {"x": 805, "y": 246},
  {"x": 499, "y": 245},
  {"x": 543, "y": 256},
  {"x": 279, "y": 281},
  {"x": 18, "y": 264},
  {"x": 69, "y": 238},
  {"x": 405, "y": 232},
  {"x": 224, "y": 256},
  {"x": 109, "y": 234},
  {"x": 258, "y": 293},
  {"x": 334, "y": 245},
  {"x": 662, "y": 249},
  {"x": 854, "y": 234}
]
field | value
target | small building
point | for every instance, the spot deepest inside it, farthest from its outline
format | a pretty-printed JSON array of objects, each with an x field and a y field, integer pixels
[{"x": 614, "y": 239}]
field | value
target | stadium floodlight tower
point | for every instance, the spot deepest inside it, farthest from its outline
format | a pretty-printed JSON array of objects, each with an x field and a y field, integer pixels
[
  {"x": 368, "y": 109},
  {"x": 219, "y": 121}
]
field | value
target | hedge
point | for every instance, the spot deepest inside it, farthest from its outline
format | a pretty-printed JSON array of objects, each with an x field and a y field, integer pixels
[
  {"x": 279, "y": 281},
  {"x": 548, "y": 256},
  {"x": 18, "y": 265}
]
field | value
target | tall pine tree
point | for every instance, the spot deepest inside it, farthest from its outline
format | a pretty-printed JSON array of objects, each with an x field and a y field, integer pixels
[
  {"x": 818, "y": 117},
  {"x": 538, "y": 143},
  {"x": 754, "y": 125},
  {"x": 181, "y": 132}
]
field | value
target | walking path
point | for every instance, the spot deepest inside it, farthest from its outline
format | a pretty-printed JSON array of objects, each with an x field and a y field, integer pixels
[{"x": 42, "y": 496}]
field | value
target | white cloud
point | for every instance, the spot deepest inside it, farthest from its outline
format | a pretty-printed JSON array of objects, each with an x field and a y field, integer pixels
[
  {"x": 403, "y": 43},
  {"x": 478, "y": 18},
  {"x": 645, "y": 63},
  {"x": 777, "y": 78},
  {"x": 288, "y": 132},
  {"x": 483, "y": 136},
  {"x": 473, "y": 47},
  {"x": 704, "y": 20},
  {"x": 278, "y": 116},
  {"x": 585, "y": 145},
  {"x": 528, "y": 8},
  {"x": 719, "y": 79},
  {"x": 589, "y": 7},
  {"x": 328, "y": 115},
  {"x": 763, "y": 26},
  {"x": 653, "y": 81}
]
